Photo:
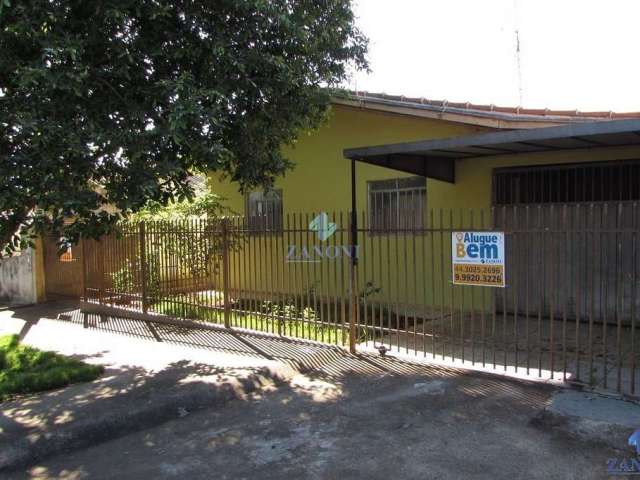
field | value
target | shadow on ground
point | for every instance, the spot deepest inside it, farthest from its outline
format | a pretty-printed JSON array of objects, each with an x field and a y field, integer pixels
[{"x": 347, "y": 417}]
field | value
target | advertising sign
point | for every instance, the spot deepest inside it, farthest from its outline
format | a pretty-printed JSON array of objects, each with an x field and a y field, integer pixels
[{"x": 478, "y": 258}]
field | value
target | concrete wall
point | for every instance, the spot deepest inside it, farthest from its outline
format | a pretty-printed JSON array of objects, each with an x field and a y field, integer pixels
[{"x": 17, "y": 279}]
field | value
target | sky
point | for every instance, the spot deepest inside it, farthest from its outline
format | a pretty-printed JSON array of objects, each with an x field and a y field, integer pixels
[{"x": 574, "y": 54}]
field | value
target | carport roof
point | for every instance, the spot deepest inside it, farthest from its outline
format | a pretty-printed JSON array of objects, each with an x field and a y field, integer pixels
[{"x": 436, "y": 158}]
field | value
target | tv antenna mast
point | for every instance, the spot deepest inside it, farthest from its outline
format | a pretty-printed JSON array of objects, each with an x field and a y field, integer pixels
[{"x": 518, "y": 60}]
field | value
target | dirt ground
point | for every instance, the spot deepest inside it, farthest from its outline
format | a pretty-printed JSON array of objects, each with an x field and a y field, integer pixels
[{"x": 409, "y": 427}]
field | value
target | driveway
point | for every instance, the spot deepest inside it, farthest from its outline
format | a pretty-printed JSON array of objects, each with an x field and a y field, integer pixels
[{"x": 333, "y": 416}]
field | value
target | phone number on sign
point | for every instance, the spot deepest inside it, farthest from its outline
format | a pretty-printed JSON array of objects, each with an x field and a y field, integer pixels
[
  {"x": 479, "y": 274},
  {"x": 478, "y": 278}
]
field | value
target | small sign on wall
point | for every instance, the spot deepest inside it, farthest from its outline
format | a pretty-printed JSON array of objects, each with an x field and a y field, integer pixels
[{"x": 478, "y": 258}]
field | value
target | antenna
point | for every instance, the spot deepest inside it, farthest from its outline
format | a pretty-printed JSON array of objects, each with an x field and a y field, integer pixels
[{"x": 518, "y": 62}]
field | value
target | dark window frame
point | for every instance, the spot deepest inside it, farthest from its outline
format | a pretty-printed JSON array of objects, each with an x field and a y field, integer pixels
[
  {"x": 414, "y": 220},
  {"x": 261, "y": 224},
  {"x": 581, "y": 182}
]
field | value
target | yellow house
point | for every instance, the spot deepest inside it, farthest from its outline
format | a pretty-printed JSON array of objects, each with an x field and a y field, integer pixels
[
  {"x": 422, "y": 170},
  {"x": 321, "y": 178}
]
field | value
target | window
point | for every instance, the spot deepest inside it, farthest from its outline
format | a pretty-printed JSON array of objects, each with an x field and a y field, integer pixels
[
  {"x": 264, "y": 211},
  {"x": 67, "y": 256},
  {"x": 397, "y": 204},
  {"x": 591, "y": 182}
]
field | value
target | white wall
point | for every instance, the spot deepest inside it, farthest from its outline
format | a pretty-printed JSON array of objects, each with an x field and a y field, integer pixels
[{"x": 17, "y": 279}]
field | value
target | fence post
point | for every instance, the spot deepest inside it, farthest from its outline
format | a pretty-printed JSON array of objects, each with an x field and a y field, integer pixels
[
  {"x": 353, "y": 270},
  {"x": 101, "y": 272},
  {"x": 225, "y": 272},
  {"x": 353, "y": 281},
  {"x": 84, "y": 269},
  {"x": 143, "y": 266}
]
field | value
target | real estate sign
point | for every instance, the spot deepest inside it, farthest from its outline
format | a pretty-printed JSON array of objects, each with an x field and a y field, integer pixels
[{"x": 478, "y": 258}]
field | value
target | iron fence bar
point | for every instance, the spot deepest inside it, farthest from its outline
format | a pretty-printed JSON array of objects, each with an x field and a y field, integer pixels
[
  {"x": 604, "y": 310},
  {"x": 504, "y": 303},
  {"x": 461, "y": 315},
  {"x": 84, "y": 269},
  {"x": 483, "y": 318},
  {"x": 343, "y": 301},
  {"x": 619, "y": 285},
  {"x": 634, "y": 291},
  {"x": 225, "y": 273},
  {"x": 527, "y": 273},
  {"x": 442, "y": 280},
  {"x": 381, "y": 279},
  {"x": 452, "y": 293},
  {"x": 318, "y": 319},
  {"x": 337, "y": 310},
  {"x": 591, "y": 293},
  {"x": 563, "y": 278},
  {"x": 353, "y": 278},
  {"x": 396, "y": 303},
  {"x": 577, "y": 279},
  {"x": 405, "y": 290},
  {"x": 540, "y": 295},
  {"x": 513, "y": 282},
  {"x": 472, "y": 303},
  {"x": 364, "y": 315},
  {"x": 432, "y": 261}
]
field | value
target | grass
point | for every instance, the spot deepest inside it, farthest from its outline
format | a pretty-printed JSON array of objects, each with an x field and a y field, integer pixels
[
  {"x": 25, "y": 369},
  {"x": 289, "y": 325}
]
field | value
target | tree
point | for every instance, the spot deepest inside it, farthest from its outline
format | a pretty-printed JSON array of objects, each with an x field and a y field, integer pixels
[{"x": 116, "y": 102}]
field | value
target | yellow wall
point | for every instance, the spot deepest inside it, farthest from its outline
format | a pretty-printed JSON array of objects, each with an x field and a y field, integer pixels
[
  {"x": 473, "y": 176},
  {"x": 321, "y": 179},
  {"x": 321, "y": 182}
]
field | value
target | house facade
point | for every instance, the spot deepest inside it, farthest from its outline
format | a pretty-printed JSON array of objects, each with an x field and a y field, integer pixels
[
  {"x": 320, "y": 180},
  {"x": 559, "y": 189},
  {"x": 558, "y": 185}
]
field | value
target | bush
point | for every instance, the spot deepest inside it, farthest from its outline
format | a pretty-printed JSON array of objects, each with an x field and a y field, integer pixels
[{"x": 126, "y": 279}]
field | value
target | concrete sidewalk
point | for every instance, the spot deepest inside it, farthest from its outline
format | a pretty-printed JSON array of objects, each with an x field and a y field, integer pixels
[
  {"x": 159, "y": 373},
  {"x": 154, "y": 373},
  {"x": 145, "y": 383}
]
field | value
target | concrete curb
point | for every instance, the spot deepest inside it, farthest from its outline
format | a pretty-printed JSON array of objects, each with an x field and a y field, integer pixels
[
  {"x": 591, "y": 431},
  {"x": 19, "y": 448},
  {"x": 590, "y": 417}
]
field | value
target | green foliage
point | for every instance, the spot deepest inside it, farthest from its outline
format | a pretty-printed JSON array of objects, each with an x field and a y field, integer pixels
[
  {"x": 370, "y": 290},
  {"x": 124, "y": 279},
  {"x": 199, "y": 249},
  {"x": 127, "y": 279},
  {"x": 105, "y": 106},
  {"x": 274, "y": 317},
  {"x": 289, "y": 310},
  {"x": 204, "y": 205},
  {"x": 25, "y": 369}
]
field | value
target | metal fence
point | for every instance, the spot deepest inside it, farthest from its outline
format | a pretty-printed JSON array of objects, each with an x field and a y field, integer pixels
[{"x": 568, "y": 310}]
